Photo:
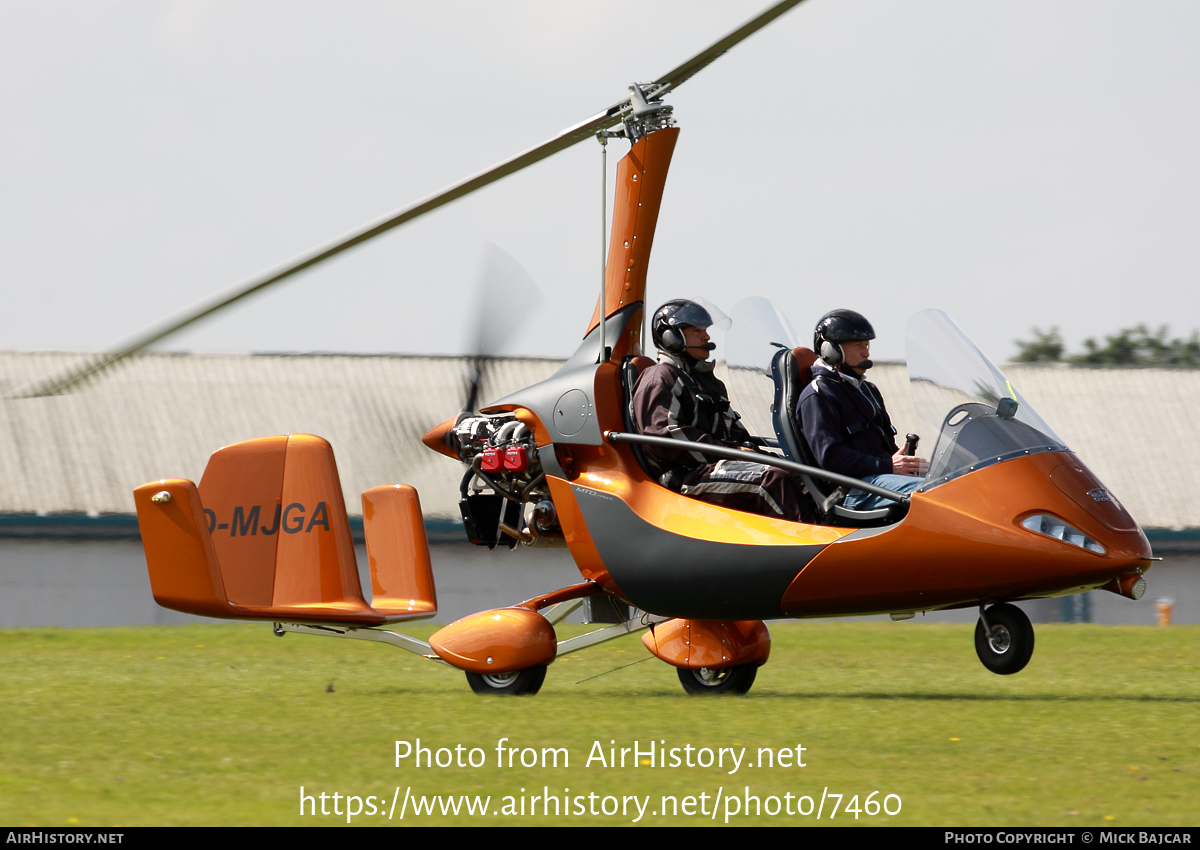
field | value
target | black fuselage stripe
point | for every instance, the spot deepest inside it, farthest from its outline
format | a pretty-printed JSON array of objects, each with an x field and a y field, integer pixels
[{"x": 673, "y": 575}]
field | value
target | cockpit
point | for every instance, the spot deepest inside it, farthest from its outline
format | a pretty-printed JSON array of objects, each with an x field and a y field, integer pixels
[{"x": 974, "y": 414}]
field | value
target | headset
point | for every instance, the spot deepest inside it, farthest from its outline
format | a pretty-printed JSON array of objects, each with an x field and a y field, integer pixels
[{"x": 832, "y": 353}]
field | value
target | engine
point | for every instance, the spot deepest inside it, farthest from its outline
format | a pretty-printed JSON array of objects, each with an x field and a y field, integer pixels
[{"x": 504, "y": 499}]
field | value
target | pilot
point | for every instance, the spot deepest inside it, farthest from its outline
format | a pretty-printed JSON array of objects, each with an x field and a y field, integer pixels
[
  {"x": 680, "y": 397},
  {"x": 843, "y": 417}
]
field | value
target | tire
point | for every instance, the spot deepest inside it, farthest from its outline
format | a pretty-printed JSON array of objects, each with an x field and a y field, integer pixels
[
  {"x": 727, "y": 680},
  {"x": 527, "y": 682},
  {"x": 1010, "y": 646}
]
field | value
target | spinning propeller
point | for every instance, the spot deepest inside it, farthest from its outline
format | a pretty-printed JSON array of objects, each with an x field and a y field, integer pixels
[
  {"x": 642, "y": 111},
  {"x": 507, "y": 298}
]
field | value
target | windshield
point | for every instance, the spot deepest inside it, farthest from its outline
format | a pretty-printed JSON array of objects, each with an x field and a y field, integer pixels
[
  {"x": 758, "y": 329},
  {"x": 979, "y": 416}
]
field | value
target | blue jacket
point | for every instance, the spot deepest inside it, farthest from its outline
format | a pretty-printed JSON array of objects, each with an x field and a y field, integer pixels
[{"x": 846, "y": 426}]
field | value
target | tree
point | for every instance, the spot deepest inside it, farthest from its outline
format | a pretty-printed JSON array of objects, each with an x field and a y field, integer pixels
[
  {"x": 1047, "y": 347},
  {"x": 1135, "y": 346}
]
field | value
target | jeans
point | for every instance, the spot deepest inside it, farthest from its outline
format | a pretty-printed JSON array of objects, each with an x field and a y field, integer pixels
[{"x": 859, "y": 501}]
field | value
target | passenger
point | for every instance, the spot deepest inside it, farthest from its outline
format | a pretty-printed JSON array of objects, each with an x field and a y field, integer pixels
[
  {"x": 843, "y": 418},
  {"x": 680, "y": 397}
]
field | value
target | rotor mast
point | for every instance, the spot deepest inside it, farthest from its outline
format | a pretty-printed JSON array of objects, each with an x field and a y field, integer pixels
[{"x": 640, "y": 181}]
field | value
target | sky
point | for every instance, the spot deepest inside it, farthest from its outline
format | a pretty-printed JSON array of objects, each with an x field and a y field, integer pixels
[{"x": 1015, "y": 164}]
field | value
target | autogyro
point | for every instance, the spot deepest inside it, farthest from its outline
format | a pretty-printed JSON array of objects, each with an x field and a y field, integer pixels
[{"x": 1007, "y": 512}]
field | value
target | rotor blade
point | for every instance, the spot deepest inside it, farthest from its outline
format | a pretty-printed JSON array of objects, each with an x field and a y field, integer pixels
[
  {"x": 56, "y": 384},
  {"x": 96, "y": 363},
  {"x": 701, "y": 60}
]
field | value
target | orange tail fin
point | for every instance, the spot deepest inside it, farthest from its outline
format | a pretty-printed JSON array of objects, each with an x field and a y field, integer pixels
[
  {"x": 266, "y": 536},
  {"x": 179, "y": 551},
  {"x": 398, "y": 551}
]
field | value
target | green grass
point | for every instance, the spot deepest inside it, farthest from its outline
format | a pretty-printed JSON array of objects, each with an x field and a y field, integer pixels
[{"x": 222, "y": 724}]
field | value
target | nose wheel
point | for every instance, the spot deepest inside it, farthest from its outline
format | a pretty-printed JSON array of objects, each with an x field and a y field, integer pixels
[{"x": 1004, "y": 639}]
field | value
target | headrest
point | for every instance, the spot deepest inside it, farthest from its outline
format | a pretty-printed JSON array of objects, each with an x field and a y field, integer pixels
[
  {"x": 637, "y": 365},
  {"x": 805, "y": 358}
]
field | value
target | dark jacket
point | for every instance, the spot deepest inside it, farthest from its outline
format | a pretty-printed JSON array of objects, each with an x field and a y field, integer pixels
[
  {"x": 678, "y": 397},
  {"x": 847, "y": 427}
]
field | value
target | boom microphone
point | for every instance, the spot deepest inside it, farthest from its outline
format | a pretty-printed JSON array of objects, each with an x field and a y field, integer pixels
[{"x": 708, "y": 346}]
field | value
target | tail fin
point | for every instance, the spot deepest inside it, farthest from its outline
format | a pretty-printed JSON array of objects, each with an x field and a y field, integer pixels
[
  {"x": 266, "y": 536},
  {"x": 241, "y": 489},
  {"x": 179, "y": 551},
  {"x": 398, "y": 551}
]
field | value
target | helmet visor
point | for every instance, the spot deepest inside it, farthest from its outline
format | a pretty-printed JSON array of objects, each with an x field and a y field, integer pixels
[
  {"x": 690, "y": 315},
  {"x": 716, "y": 318}
]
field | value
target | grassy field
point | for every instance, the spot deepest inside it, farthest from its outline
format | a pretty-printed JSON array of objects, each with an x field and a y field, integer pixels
[{"x": 223, "y": 724}]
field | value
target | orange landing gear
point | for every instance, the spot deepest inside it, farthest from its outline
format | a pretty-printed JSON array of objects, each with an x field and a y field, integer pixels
[{"x": 712, "y": 656}]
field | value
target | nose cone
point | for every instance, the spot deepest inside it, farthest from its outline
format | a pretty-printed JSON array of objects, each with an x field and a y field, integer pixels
[
  {"x": 440, "y": 440},
  {"x": 1088, "y": 494},
  {"x": 1085, "y": 490}
]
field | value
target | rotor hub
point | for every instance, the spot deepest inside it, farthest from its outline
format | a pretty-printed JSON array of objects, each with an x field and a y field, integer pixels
[{"x": 646, "y": 116}]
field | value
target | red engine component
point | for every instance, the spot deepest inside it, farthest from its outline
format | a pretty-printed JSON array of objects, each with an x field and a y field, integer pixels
[
  {"x": 515, "y": 459},
  {"x": 493, "y": 459}
]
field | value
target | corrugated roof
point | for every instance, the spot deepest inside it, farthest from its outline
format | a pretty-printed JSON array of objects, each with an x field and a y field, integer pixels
[{"x": 163, "y": 414}]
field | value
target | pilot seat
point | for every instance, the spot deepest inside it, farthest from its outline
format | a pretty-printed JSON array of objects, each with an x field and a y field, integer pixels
[{"x": 791, "y": 369}]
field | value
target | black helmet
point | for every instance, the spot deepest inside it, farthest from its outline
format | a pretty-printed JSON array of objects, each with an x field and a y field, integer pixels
[
  {"x": 666, "y": 328},
  {"x": 836, "y": 327}
]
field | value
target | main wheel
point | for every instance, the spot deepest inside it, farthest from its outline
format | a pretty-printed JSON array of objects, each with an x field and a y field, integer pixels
[
  {"x": 727, "y": 680},
  {"x": 527, "y": 681},
  {"x": 1010, "y": 645}
]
